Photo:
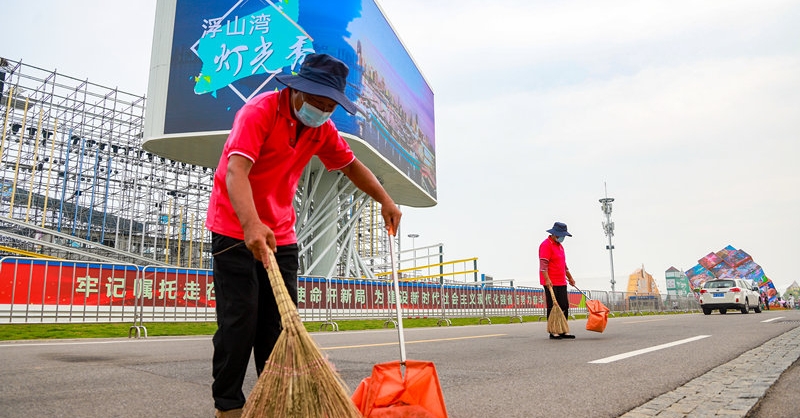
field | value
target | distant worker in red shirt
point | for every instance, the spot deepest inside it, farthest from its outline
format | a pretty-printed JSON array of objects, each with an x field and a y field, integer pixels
[
  {"x": 251, "y": 211},
  {"x": 553, "y": 271}
]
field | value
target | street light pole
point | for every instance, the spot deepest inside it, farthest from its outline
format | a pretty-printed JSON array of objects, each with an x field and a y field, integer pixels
[
  {"x": 414, "y": 248},
  {"x": 608, "y": 228}
]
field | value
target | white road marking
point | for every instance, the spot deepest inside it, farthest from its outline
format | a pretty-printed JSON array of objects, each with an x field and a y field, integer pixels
[
  {"x": 647, "y": 350},
  {"x": 773, "y": 319}
]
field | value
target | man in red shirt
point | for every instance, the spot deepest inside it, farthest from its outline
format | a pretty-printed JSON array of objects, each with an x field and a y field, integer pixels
[
  {"x": 553, "y": 271},
  {"x": 251, "y": 211}
]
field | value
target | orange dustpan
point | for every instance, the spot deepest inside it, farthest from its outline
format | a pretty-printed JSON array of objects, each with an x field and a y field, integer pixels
[
  {"x": 405, "y": 388},
  {"x": 598, "y": 314},
  {"x": 389, "y": 393}
]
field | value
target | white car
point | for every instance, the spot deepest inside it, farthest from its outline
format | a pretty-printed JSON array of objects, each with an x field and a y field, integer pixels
[{"x": 724, "y": 294}]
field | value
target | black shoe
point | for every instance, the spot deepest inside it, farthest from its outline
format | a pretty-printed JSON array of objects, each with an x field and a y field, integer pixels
[
  {"x": 567, "y": 336},
  {"x": 555, "y": 337}
]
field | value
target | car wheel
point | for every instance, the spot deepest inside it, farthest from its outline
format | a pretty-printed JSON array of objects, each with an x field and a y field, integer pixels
[
  {"x": 723, "y": 311},
  {"x": 706, "y": 311},
  {"x": 746, "y": 307},
  {"x": 757, "y": 309}
]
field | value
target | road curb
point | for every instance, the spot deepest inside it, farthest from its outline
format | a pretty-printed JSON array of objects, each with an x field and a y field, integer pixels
[{"x": 731, "y": 389}]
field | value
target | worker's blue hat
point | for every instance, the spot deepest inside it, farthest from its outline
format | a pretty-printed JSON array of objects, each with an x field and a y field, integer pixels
[
  {"x": 559, "y": 229},
  {"x": 322, "y": 75}
]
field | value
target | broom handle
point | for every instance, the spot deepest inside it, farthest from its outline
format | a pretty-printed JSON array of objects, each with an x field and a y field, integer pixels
[
  {"x": 286, "y": 307},
  {"x": 552, "y": 295},
  {"x": 397, "y": 302}
]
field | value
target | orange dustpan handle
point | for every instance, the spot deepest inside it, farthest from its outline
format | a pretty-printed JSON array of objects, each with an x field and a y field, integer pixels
[
  {"x": 400, "y": 332},
  {"x": 584, "y": 293}
]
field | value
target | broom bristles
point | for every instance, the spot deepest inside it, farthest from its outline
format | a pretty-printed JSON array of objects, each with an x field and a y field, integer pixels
[
  {"x": 297, "y": 380},
  {"x": 557, "y": 321}
]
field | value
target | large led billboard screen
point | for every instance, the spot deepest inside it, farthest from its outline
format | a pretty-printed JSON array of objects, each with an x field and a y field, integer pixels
[{"x": 212, "y": 56}]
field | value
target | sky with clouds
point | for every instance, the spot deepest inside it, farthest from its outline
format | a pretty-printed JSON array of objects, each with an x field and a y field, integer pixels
[{"x": 688, "y": 112}]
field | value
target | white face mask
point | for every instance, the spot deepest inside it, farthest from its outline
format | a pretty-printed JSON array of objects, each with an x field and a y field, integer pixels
[
  {"x": 311, "y": 116},
  {"x": 560, "y": 239}
]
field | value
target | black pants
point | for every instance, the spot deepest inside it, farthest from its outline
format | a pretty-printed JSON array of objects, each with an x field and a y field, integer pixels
[
  {"x": 562, "y": 297},
  {"x": 247, "y": 315}
]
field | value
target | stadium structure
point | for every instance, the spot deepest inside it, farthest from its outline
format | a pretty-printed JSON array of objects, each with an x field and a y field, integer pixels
[
  {"x": 77, "y": 184},
  {"x": 94, "y": 173}
]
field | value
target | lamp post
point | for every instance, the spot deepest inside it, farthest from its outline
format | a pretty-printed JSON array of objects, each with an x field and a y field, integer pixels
[
  {"x": 608, "y": 228},
  {"x": 414, "y": 247}
]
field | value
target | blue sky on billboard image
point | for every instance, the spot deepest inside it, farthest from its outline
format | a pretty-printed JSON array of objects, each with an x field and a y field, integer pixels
[
  {"x": 686, "y": 110},
  {"x": 403, "y": 75}
]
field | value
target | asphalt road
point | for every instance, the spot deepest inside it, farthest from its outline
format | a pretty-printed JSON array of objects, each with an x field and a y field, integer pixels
[{"x": 484, "y": 370}]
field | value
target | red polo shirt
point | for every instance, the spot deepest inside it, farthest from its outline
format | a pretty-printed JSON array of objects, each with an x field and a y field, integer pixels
[
  {"x": 262, "y": 132},
  {"x": 552, "y": 251}
]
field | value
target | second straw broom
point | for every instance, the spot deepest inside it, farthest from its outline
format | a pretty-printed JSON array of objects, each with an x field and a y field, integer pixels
[{"x": 557, "y": 321}]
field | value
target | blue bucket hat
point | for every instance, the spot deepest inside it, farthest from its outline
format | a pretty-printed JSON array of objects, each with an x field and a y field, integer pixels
[
  {"x": 322, "y": 75},
  {"x": 559, "y": 229}
]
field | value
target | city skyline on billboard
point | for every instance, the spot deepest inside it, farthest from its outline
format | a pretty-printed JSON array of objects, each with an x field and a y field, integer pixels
[{"x": 225, "y": 52}]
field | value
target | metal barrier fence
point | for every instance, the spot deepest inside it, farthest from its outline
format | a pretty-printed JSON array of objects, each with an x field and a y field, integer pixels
[
  {"x": 36, "y": 290},
  {"x": 51, "y": 291}
]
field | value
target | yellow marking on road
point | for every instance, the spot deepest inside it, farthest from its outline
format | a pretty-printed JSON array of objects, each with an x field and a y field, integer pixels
[
  {"x": 646, "y": 320},
  {"x": 411, "y": 342}
]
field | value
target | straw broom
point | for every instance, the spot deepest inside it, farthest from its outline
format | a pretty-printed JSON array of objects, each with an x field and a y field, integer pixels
[
  {"x": 557, "y": 321},
  {"x": 297, "y": 380}
]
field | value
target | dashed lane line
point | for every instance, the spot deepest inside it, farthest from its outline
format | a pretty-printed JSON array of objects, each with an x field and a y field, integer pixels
[
  {"x": 772, "y": 319},
  {"x": 647, "y": 350}
]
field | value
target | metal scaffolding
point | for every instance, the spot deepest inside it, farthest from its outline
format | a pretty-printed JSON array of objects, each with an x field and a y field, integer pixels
[{"x": 77, "y": 184}]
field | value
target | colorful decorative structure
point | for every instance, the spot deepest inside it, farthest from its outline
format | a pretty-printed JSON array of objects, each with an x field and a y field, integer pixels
[{"x": 730, "y": 262}]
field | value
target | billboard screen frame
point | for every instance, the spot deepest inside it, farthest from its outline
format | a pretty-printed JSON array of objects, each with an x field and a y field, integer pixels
[{"x": 200, "y": 77}]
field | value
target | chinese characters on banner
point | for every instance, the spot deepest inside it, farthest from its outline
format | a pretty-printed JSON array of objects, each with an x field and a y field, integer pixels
[{"x": 24, "y": 281}]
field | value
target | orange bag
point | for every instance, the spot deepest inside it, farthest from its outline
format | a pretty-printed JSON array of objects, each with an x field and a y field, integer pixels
[
  {"x": 387, "y": 394},
  {"x": 598, "y": 315}
]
